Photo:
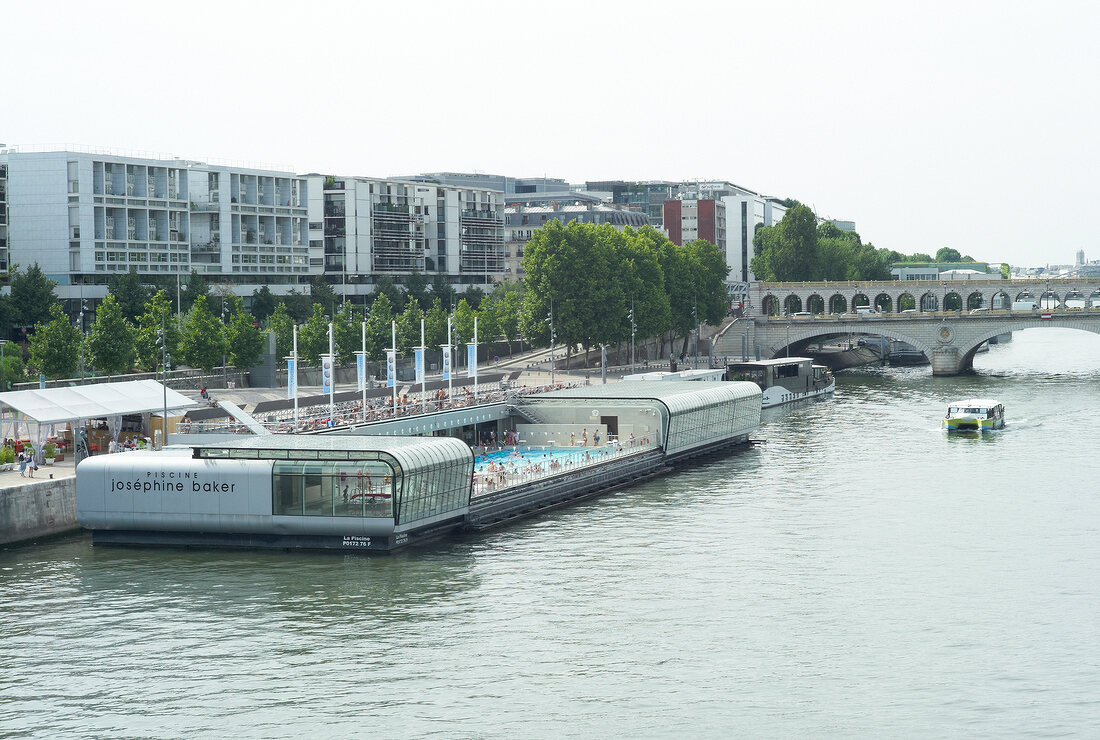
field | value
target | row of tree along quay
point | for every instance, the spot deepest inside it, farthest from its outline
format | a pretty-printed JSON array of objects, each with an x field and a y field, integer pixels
[
  {"x": 799, "y": 249},
  {"x": 593, "y": 284}
]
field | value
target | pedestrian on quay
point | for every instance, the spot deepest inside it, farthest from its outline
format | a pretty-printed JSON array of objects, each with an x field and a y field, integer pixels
[{"x": 22, "y": 464}]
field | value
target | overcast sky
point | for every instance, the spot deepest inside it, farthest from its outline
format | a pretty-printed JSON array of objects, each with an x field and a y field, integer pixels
[{"x": 970, "y": 125}]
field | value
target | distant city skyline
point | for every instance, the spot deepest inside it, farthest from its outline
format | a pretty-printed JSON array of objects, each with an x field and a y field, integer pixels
[{"x": 930, "y": 125}]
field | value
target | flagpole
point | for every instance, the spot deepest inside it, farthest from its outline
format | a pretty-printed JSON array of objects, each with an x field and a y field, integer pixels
[
  {"x": 332, "y": 379},
  {"x": 475, "y": 360},
  {"x": 423, "y": 373},
  {"x": 364, "y": 371},
  {"x": 295, "y": 378},
  {"x": 393, "y": 340},
  {"x": 450, "y": 391}
]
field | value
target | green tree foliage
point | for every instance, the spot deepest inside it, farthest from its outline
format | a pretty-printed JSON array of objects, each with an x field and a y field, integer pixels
[
  {"x": 195, "y": 287},
  {"x": 157, "y": 313},
  {"x": 379, "y": 326},
  {"x": 435, "y": 324},
  {"x": 947, "y": 254},
  {"x": 246, "y": 341},
  {"x": 488, "y": 318},
  {"x": 298, "y": 306},
  {"x": 347, "y": 332},
  {"x": 111, "y": 340},
  {"x": 788, "y": 251},
  {"x": 385, "y": 286},
  {"x": 313, "y": 336},
  {"x": 1005, "y": 270},
  {"x": 473, "y": 296},
  {"x": 463, "y": 325},
  {"x": 708, "y": 264},
  {"x": 263, "y": 303},
  {"x": 203, "y": 339},
  {"x": 13, "y": 368},
  {"x": 442, "y": 289},
  {"x": 416, "y": 289},
  {"x": 280, "y": 323},
  {"x": 320, "y": 292},
  {"x": 408, "y": 328},
  {"x": 31, "y": 296},
  {"x": 130, "y": 294},
  {"x": 55, "y": 346}
]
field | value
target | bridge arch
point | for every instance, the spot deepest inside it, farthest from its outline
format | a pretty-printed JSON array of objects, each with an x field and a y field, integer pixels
[
  {"x": 860, "y": 299},
  {"x": 975, "y": 300},
  {"x": 906, "y": 301},
  {"x": 838, "y": 304},
  {"x": 792, "y": 304},
  {"x": 1075, "y": 295},
  {"x": 884, "y": 303},
  {"x": 805, "y": 333},
  {"x": 970, "y": 348},
  {"x": 1025, "y": 295},
  {"x": 1000, "y": 300},
  {"x": 929, "y": 302},
  {"x": 770, "y": 305},
  {"x": 952, "y": 302},
  {"x": 815, "y": 304},
  {"x": 1093, "y": 299},
  {"x": 1049, "y": 299}
]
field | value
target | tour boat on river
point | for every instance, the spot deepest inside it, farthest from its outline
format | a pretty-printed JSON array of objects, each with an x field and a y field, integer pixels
[{"x": 974, "y": 415}]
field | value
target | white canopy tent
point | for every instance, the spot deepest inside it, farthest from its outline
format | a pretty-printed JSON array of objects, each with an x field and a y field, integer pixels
[{"x": 48, "y": 407}]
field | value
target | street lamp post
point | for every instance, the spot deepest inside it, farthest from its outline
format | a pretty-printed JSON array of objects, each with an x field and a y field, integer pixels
[
  {"x": 633, "y": 327},
  {"x": 225, "y": 359},
  {"x": 550, "y": 320}
]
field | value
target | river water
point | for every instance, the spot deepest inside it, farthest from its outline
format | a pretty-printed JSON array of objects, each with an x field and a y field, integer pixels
[{"x": 859, "y": 574}]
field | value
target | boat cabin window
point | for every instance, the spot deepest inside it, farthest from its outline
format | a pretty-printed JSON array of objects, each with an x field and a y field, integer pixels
[{"x": 785, "y": 371}]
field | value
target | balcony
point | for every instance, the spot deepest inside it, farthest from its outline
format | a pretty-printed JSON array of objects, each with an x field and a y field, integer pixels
[{"x": 205, "y": 206}]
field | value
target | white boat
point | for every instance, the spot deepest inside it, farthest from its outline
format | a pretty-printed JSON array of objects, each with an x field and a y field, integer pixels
[
  {"x": 784, "y": 379},
  {"x": 974, "y": 415}
]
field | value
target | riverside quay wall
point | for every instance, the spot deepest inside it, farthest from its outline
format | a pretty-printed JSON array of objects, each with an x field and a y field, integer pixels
[{"x": 38, "y": 509}]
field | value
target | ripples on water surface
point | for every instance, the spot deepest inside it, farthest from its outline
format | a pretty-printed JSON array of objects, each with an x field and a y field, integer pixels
[{"x": 861, "y": 574}]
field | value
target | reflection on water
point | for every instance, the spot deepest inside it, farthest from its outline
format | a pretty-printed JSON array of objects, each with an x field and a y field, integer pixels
[{"x": 861, "y": 572}]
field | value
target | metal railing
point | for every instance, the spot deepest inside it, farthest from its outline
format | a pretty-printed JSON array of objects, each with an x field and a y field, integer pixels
[{"x": 529, "y": 467}]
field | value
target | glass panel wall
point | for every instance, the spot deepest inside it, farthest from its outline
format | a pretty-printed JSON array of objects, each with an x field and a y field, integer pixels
[{"x": 346, "y": 488}]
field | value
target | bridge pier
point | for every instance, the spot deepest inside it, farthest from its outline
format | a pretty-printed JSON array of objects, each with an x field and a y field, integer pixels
[{"x": 945, "y": 361}]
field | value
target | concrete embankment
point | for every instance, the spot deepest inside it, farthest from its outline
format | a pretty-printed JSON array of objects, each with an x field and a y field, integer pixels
[{"x": 37, "y": 509}]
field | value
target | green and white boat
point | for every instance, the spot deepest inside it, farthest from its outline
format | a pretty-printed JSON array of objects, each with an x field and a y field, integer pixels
[{"x": 974, "y": 415}]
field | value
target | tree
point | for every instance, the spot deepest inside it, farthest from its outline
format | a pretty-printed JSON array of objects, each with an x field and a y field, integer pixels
[
  {"x": 111, "y": 340},
  {"x": 246, "y": 341},
  {"x": 463, "y": 323},
  {"x": 947, "y": 254},
  {"x": 55, "y": 346},
  {"x": 130, "y": 294},
  {"x": 263, "y": 303},
  {"x": 31, "y": 296},
  {"x": 435, "y": 324},
  {"x": 157, "y": 314},
  {"x": 280, "y": 323},
  {"x": 320, "y": 292},
  {"x": 313, "y": 336},
  {"x": 379, "y": 326},
  {"x": 442, "y": 289},
  {"x": 195, "y": 287},
  {"x": 416, "y": 289},
  {"x": 298, "y": 306},
  {"x": 347, "y": 327},
  {"x": 408, "y": 328},
  {"x": 385, "y": 286},
  {"x": 473, "y": 296},
  {"x": 203, "y": 341},
  {"x": 788, "y": 251}
]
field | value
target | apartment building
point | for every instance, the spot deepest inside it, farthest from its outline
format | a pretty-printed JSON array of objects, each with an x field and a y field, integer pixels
[
  {"x": 85, "y": 216},
  {"x": 526, "y": 213},
  {"x": 370, "y": 227}
]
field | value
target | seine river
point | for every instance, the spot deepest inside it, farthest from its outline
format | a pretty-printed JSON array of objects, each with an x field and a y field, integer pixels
[{"x": 859, "y": 574}]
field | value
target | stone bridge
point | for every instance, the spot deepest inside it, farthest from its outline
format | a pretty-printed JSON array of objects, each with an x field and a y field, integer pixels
[
  {"x": 774, "y": 299},
  {"x": 948, "y": 338}
]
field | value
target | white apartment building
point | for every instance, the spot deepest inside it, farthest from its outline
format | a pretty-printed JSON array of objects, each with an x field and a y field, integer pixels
[
  {"x": 86, "y": 216},
  {"x": 743, "y": 213},
  {"x": 369, "y": 227}
]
